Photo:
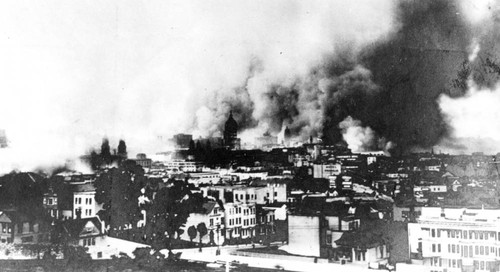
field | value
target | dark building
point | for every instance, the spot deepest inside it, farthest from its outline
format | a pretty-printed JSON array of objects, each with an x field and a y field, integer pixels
[
  {"x": 181, "y": 141},
  {"x": 231, "y": 140}
]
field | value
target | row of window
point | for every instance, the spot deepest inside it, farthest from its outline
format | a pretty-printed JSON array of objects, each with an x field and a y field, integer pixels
[
  {"x": 88, "y": 201},
  {"x": 250, "y": 221},
  {"x": 478, "y": 265},
  {"x": 235, "y": 221},
  {"x": 237, "y": 210},
  {"x": 50, "y": 201},
  {"x": 6, "y": 227},
  {"x": 451, "y": 262},
  {"x": 471, "y": 234},
  {"x": 467, "y": 251},
  {"x": 88, "y": 242},
  {"x": 88, "y": 212},
  {"x": 212, "y": 221}
]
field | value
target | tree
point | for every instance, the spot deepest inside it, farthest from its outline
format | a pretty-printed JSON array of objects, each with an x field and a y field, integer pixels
[
  {"x": 168, "y": 213},
  {"x": 122, "y": 149},
  {"x": 202, "y": 230},
  {"x": 192, "y": 233},
  {"x": 144, "y": 258},
  {"x": 118, "y": 191}
]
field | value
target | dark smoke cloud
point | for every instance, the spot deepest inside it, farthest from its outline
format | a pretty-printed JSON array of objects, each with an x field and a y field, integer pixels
[
  {"x": 390, "y": 86},
  {"x": 411, "y": 70}
]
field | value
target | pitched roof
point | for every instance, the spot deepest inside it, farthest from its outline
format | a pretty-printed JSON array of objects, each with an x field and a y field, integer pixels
[{"x": 75, "y": 227}]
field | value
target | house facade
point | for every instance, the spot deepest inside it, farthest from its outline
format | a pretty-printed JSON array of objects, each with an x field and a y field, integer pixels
[
  {"x": 456, "y": 239},
  {"x": 19, "y": 228}
]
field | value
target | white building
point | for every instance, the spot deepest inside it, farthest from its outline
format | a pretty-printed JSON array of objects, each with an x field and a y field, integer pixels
[
  {"x": 326, "y": 170},
  {"x": 212, "y": 215},
  {"x": 204, "y": 178},
  {"x": 240, "y": 220},
  {"x": 84, "y": 204},
  {"x": 456, "y": 239}
]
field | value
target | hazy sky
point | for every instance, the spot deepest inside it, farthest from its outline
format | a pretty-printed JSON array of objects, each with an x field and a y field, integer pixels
[{"x": 72, "y": 72}]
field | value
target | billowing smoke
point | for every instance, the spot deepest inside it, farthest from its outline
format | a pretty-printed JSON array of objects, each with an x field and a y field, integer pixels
[
  {"x": 389, "y": 82},
  {"x": 359, "y": 138},
  {"x": 72, "y": 74},
  {"x": 286, "y": 81},
  {"x": 471, "y": 110}
]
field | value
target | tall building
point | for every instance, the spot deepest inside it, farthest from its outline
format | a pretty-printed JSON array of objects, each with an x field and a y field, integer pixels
[
  {"x": 231, "y": 140},
  {"x": 181, "y": 141},
  {"x": 456, "y": 239}
]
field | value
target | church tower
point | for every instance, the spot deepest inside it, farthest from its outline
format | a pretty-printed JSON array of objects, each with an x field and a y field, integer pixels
[{"x": 230, "y": 132}]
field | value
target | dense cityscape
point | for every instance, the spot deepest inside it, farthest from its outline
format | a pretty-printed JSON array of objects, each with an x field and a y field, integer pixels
[
  {"x": 194, "y": 135},
  {"x": 285, "y": 201}
]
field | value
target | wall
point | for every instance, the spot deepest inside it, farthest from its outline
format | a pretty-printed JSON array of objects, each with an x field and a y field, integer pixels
[{"x": 304, "y": 235}]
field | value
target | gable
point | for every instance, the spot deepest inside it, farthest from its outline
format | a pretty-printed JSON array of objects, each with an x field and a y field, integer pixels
[
  {"x": 4, "y": 218},
  {"x": 89, "y": 229}
]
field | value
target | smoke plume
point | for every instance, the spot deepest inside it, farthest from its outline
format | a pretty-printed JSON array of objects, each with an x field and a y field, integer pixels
[
  {"x": 391, "y": 82},
  {"x": 72, "y": 74}
]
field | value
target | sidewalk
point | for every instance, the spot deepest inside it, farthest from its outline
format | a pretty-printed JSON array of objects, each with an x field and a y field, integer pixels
[{"x": 209, "y": 255}]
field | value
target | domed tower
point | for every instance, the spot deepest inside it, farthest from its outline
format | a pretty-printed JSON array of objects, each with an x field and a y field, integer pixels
[{"x": 230, "y": 132}]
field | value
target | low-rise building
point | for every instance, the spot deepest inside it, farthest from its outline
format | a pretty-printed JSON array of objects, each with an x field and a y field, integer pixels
[
  {"x": 84, "y": 204},
  {"x": 456, "y": 239},
  {"x": 212, "y": 215},
  {"x": 19, "y": 228}
]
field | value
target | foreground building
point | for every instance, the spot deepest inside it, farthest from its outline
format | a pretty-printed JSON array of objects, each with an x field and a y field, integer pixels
[{"x": 456, "y": 239}]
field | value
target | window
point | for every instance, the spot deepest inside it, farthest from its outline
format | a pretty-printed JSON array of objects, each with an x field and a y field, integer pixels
[
  {"x": 439, "y": 247},
  {"x": 211, "y": 221},
  {"x": 433, "y": 233},
  {"x": 433, "y": 248}
]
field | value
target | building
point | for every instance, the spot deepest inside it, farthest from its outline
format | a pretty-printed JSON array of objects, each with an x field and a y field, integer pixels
[
  {"x": 240, "y": 220},
  {"x": 89, "y": 233},
  {"x": 231, "y": 140},
  {"x": 181, "y": 165},
  {"x": 456, "y": 239},
  {"x": 143, "y": 161},
  {"x": 181, "y": 141},
  {"x": 19, "y": 228},
  {"x": 326, "y": 170},
  {"x": 335, "y": 237},
  {"x": 84, "y": 204},
  {"x": 305, "y": 235},
  {"x": 204, "y": 178},
  {"x": 212, "y": 215},
  {"x": 50, "y": 204}
]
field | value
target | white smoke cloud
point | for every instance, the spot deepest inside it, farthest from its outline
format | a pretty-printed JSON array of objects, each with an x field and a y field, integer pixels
[
  {"x": 360, "y": 138},
  {"x": 473, "y": 119},
  {"x": 75, "y": 72}
]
